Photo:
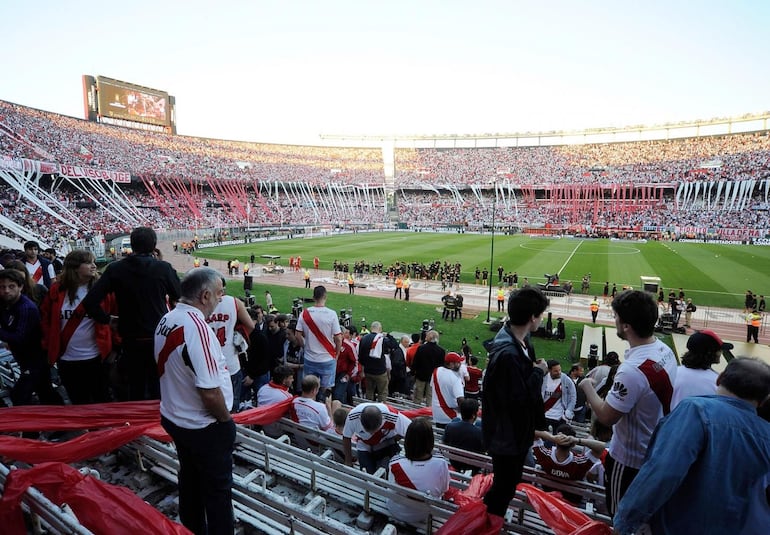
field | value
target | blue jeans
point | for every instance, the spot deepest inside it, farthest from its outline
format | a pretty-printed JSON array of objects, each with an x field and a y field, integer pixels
[
  {"x": 325, "y": 371},
  {"x": 370, "y": 460},
  {"x": 237, "y": 381},
  {"x": 205, "y": 476}
]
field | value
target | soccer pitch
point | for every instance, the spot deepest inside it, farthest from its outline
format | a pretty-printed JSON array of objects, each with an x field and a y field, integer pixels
[{"x": 716, "y": 275}]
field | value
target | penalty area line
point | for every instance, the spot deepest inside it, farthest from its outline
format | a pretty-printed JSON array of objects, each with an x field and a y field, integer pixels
[{"x": 571, "y": 255}]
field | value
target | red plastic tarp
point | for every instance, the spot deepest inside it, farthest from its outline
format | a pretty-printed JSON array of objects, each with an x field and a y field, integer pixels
[
  {"x": 99, "y": 506},
  {"x": 140, "y": 417},
  {"x": 560, "y": 516}
]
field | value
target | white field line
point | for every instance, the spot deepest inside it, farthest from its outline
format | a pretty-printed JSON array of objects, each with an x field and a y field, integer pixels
[{"x": 571, "y": 255}]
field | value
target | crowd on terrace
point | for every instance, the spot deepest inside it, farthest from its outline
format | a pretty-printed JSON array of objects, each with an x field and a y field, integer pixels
[{"x": 287, "y": 185}]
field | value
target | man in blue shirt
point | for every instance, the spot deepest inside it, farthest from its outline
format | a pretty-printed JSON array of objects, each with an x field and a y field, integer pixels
[{"x": 703, "y": 459}]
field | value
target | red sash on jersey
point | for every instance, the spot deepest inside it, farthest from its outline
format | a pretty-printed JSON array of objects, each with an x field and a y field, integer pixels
[
  {"x": 400, "y": 476},
  {"x": 659, "y": 382},
  {"x": 318, "y": 334},
  {"x": 440, "y": 397},
  {"x": 38, "y": 274},
  {"x": 378, "y": 435},
  {"x": 70, "y": 326},
  {"x": 551, "y": 401}
]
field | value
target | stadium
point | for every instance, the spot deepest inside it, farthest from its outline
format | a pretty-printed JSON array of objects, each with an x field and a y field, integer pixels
[{"x": 678, "y": 208}]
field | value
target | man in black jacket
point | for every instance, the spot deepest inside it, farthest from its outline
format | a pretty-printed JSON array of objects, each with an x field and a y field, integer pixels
[
  {"x": 513, "y": 405},
  {"x": 144, "y": 288},
  {"x": 428, "y": 357}
]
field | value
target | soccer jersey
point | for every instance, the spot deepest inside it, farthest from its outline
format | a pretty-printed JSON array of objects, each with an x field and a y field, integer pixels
[
  {"x": 573, "y": 468},
  {"x": 642, "y": 391},
  {"x": 82, "y": 345},
  {"x": 311, "y": 413},
  {"x": 328, "y": 325},
  {"x": 222, "y": 321},
  {"x": 189, "y": 357},
  {"x": 394, "y": 424},
  {"x": 692, "y": 382},
  {"x": 446, "y": 387},
  {"x": 430, "y": 477},
  {"x": 36, "y": 271},
  {"x": 272, "y": 393}
]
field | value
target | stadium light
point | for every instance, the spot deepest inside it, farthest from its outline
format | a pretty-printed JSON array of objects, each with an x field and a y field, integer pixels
[{"x": 492, "y": 253}]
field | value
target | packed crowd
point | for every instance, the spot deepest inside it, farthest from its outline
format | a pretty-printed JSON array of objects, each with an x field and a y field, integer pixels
[
  {"x": 286, "y": 185},
  {"x": 670, "y": 161}
]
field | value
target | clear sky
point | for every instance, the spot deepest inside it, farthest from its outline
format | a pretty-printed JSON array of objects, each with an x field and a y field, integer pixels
[{"x": 287, "y": 71}]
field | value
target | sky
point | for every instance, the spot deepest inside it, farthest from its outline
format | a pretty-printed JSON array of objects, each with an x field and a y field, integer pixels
[{"x": 291, "y": 71}]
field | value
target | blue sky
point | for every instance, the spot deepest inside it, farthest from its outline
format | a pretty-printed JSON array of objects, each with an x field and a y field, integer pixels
[{"x": 288, "y": 71}]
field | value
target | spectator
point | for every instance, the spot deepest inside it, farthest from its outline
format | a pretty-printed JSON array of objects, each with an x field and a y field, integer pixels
[
  {"x": 73, "y": 339},
  {"x": 704, "y": 478},
  {"x": 307, "y": 411},
  {"x": 640, "y": 395},
  {"x": 373, "y": 358},
  {"x": 511, "y": 396},
  {"x": 559, "y": 462},
  {"x": 144, "y": 287},
  {"x": 695, "y": 376},
  {"x": 228, "y": 313},
  {"x": 559, "y": 396},
  {"x": 465, "y": 434},
  {"x": 20, "y": 328},
  {"x": 427, "y": 358},
  {"x": 576, "y": 374},
  {"x": 35, "y": 291},
  {"x": 398, "y": 372},
  {"x": 346, "y": 368},
  {"x": 447, "y": 390},
  {"x": 275, "y": 391},
  {"x": 196, "y": 397},
  {"x": 319, "y": 329},
  {"x": 473, "y": 384},
  {"x": 418, "y": 469},
  {"x": 378, "y": 429},
  {"x": 39, "y": 268}
]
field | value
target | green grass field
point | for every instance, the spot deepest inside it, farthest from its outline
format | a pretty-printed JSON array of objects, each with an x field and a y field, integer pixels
[{"x": 716, "y": 275}]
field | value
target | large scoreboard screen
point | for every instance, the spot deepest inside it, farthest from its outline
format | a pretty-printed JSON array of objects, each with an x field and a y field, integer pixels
[{"x": 121, "y": 100}]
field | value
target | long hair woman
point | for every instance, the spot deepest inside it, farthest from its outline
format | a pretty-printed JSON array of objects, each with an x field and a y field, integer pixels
[{"x": 72, "y": 339}]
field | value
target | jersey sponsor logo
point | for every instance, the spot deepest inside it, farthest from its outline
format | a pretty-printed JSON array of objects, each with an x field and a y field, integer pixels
[{"x": 619, "y": 389}]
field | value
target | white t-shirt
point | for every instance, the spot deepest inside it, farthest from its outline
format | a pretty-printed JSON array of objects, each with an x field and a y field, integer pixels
[
  {"x": 82, "y": 345},
  {"x": 311, "y": 413},
  {"x": 328, "y": 324},
  {"x": 643, "y": 383},
  {"x": 430, "y": 477},
  {"x": 451, "y": 386},
  {"x": 222, "y": 321},
  {"x": 183, "y": 336},
  {"x": 271, "y": 393},
  {"x": 692, "y": 382},
  {"x": 394, "y": 424}
]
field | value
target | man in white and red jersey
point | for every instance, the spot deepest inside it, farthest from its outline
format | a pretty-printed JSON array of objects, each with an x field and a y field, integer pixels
[
  {"x": 320, "y": 331},
  {"x": 40, "y": 269},
  {"x": 560, "y": 463},
  {"x": 196, "y": 396},
  {"x": 378, "y": 428},
  {"x": 447, "y": 390},
  {"x": 307, "y": 411},
  {"x": 640, "y": 395},
  {"x": 559, "y": 396},
  {"x": 229, "y": 312},
  {"x": 277, "y": 390}
]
